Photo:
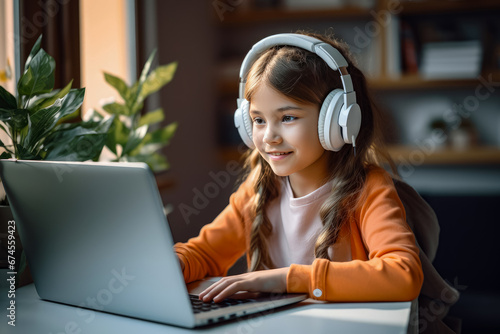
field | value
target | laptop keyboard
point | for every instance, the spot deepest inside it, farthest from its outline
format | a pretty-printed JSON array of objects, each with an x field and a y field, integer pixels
[{"x": 201, "y": 306}]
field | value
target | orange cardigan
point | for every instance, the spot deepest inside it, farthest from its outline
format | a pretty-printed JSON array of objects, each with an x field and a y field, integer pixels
[{"x": 385, "y": 264}]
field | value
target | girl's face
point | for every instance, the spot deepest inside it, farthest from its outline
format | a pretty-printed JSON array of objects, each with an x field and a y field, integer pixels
[{"x": 286, "y": 135}]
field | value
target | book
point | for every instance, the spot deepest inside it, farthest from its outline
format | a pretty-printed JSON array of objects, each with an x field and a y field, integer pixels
[{"x": 451, "y": 59}]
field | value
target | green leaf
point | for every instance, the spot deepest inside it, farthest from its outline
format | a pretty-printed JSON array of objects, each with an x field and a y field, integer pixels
[
  {"x": 5, "y": 155},
  {"x": 6, "y": 147},
  {"x": 102, "y": 126},
  {"x": 80, "y": 142},
  {"x": 76, "y": 147},
  {"x": 116, "y": 109},
  {"x": 25, "y": 81},
  {"x": 42, "y": 123},
  {"x": 16, "y": 118},
  {"x": 137, "y": 88},
  {"x": 5, "y": 115},
  {"x": 135, "y": 138},
  {"x": 36, "y": 100},
  {"x": 117, "y": 134},
  {"x": 71, "y": 102},
  {"x": 27, "y": 153},
  {"x": 155, "y": 161},
  {"x": 152, "y": 117},
  {"x": 93, "y": 115},
  {"x": 157, "y": 79},
  {"x": 153, "y": 141},
  {"x": 163, "y": 135},
  {"x": 51, "y": 98},
  {"x": 7, "y": 100},
  {"x": 4, "y": 129},
  {"x": 136, "y": 109},
  {"x": 120, "y": 85},
  {"x": 39, "y": 78},
  {"x": 34, "y": 50}
]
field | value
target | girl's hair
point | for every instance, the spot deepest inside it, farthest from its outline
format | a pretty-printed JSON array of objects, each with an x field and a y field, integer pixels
[{"x": 304, "y": 77}]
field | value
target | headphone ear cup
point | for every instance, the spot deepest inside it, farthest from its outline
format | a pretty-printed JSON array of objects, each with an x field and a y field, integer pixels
[
  {"x": 350, "y": 121},
  {"x": 243, "y": 123},
  {"x": 329, "y": 130}
]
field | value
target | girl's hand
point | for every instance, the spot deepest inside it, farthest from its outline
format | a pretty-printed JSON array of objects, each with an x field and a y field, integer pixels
[{"x": 273, "y": 280}]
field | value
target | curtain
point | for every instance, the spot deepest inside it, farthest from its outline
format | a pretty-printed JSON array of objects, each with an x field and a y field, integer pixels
[{"x": 58, "y": 21}]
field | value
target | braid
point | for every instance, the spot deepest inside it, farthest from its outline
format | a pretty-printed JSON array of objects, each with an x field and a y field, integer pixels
[
  {"x": 348, "y": 181},
  {"x": 265, "y": 188}
]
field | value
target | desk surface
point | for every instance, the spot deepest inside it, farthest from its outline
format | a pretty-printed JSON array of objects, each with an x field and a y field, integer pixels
[{"x": 34, "y": 315}]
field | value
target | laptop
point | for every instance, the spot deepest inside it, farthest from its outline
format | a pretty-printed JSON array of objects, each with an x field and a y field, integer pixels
[{"x": 95, "y": 236}]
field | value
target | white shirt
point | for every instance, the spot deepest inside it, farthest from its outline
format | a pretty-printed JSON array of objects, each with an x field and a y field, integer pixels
[{"x": 296, "y": 226}]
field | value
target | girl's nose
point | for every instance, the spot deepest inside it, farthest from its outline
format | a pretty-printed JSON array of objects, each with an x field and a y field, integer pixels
[{"x": 271, "y": 136}]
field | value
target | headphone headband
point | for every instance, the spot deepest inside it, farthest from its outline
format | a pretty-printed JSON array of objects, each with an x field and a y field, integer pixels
[{"x": 331, "y": 56}]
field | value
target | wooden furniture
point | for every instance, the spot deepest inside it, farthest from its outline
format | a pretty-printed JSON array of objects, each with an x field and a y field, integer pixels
[{"x": 382, "y": 24}]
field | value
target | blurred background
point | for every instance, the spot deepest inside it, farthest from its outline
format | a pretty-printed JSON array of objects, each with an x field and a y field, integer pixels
[{"x": 433, "y": 67}]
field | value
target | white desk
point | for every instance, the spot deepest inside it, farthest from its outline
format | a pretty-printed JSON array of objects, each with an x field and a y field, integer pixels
[{"x": 34, "y": 315}]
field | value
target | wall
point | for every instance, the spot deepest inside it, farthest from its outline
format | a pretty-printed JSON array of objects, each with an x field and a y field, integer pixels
[
  {"x": 184, "y": 34},
  {"x": 103, "y": 28}
]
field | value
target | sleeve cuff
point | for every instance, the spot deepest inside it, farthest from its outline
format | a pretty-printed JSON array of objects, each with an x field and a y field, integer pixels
[
  {"x": 310, "y": 279},
  {"x": 184, "y": 260},
  {"x": 298, "y": 278}
]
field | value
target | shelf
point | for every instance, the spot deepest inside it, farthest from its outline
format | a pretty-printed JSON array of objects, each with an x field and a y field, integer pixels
[
  {"x": 446, "y": 6},
  {"x": 417, "y": 156},
  {"x": 406, "y": 82},
  {"x": 411, "y": 82},
  {"x": 244, "y": 17},
  {"x": 248, "y": 16}
]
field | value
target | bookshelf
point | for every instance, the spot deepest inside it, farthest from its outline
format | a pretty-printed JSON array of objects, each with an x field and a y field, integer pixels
[
  {"x": 251, "y": 16},
  {"x": 424, "y": 19}
]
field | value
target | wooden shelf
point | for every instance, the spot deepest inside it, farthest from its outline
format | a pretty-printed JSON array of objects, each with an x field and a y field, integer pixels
[
  {"x": 405, "y": 82},
  {"x": 411, "y": 82},
  {"x": 446, "y": 6},
  {"x": 245, "y": 17},
  {"x": 419, "y": 156},
  {"x": 248, "y": 16}
]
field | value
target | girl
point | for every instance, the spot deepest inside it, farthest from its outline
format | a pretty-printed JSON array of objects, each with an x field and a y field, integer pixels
[{"x": 324, "y": 222}]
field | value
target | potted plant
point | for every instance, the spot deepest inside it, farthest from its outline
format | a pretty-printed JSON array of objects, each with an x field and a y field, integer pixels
[
  {"x": 35, "y": 121},
  {"x": 134, "y": 136}
]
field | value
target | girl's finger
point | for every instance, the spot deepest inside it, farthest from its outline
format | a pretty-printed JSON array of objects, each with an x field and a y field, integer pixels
[
  {"x": 214, "y": 290},
  {"x": 227, "y": 292}
]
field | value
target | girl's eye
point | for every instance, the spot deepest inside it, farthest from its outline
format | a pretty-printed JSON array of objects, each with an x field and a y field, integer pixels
[
  {"x": 258, "y": 120},
  {"x": 289, "y": 118}
]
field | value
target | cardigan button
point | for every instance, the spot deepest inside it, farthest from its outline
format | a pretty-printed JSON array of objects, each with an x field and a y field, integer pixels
[{"x": 317, "y": 293}]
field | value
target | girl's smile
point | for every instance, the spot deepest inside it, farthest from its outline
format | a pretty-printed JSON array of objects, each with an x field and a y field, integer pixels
[
  {"x": 286, "y": 134},
  {"x": 276, "y": 156}
]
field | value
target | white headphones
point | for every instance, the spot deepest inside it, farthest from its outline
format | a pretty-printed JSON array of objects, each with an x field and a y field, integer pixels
[{"x": 340, "y": 115}]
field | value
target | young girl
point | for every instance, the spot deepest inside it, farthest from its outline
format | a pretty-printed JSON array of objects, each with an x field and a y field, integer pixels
[{"x": 327, "y": 222}]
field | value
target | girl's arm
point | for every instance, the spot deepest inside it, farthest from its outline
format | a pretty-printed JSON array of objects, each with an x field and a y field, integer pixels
[
  {"x": 392, "y": 270},
  {"x": 386, "y": 268},
  {"x": 219, "y": 245}
]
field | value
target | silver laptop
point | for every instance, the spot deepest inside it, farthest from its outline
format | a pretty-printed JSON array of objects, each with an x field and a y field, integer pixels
[{"x": 96, "y": 237}]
